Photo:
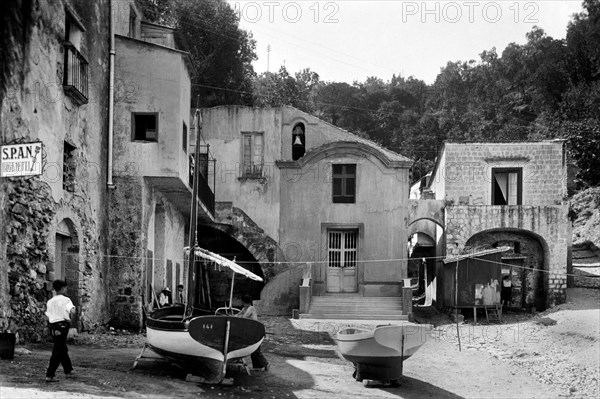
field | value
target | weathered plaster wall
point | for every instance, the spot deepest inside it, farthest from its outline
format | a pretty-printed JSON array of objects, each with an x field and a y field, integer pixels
[
  {"x": 317, "y": 133},
  {"x": 380, "y": 208},
  {"x": 151, "y": 78},
  {"x": 437, "y": 183},
  {"x": 258, "y": 198},
  {"x": 35, "y": 107},
  {"x": 173, "y": 235},
  {"x": 549, "y": 223},
  {"x": 293, "y": 204}
]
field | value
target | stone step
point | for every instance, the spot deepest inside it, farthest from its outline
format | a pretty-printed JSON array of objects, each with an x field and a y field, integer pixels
[
  {"x": 357, "y": 298},
  {"x": 355, "y": 307},
  {"x": 340, "y": 316}
]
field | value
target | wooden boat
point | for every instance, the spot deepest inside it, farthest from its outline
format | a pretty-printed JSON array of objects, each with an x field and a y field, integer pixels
[
  {"x": 202, "y": 344},
  {"x": 379, "y": 354},
  {"x": 203, "y": 341}
]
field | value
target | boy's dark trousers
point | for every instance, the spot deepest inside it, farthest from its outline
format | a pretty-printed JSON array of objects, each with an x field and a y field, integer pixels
[
  {"x": 60, "y": 353},
  {"x": 258, "y": 359}
]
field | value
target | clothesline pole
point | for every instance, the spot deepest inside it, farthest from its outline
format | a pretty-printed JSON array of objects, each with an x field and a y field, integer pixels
[{"x": 456, "y": 304}]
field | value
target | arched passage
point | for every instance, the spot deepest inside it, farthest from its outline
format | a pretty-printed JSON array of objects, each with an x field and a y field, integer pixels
[
  {"x": 426, "y": 248},
  {"x": 526, "y": 263},
  {"x": 220, "y": 242}
]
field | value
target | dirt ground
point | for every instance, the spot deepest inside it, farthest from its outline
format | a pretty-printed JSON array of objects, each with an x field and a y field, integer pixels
[{"x": 548, "y": 355}]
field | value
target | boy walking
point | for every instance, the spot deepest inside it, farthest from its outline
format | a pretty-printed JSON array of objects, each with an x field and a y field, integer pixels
[
  {"x": 60, "y": 311},
  {"x": 259, "y": 362}
]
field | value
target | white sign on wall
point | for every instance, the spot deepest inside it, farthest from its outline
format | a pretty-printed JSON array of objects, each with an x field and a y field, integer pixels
[{"x": 21, "y": 159}]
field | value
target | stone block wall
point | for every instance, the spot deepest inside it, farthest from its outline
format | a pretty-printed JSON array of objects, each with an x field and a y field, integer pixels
[
  {"x": 549, "y": 224},
  {"x": 35, "y": 107},
  {"x": 467, "y": 171},
  {"x": 126, "y": 252},
  {"x": 133, "y": 205}
]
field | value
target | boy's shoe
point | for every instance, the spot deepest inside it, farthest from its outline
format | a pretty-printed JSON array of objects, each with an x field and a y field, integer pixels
[
  {"x": 72, "y": 374},
  {"x": 51, "y": 379},
  {"x": 266, "y": 368}
]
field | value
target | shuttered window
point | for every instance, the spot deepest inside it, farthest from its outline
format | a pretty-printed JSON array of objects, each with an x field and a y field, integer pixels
[
  {"x": 252, "y": 155},
  {"x": 506, "y": 186}
]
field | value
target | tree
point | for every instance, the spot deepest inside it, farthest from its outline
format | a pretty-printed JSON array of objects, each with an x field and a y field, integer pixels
[
  {"x": 583, "y": 43},
  {"x": 221, "y": 52},
  {"x": 584, "y": 145},
  {"x": 277, "y": 89}
]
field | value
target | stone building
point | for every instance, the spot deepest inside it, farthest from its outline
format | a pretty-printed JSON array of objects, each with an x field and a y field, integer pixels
[
  {"x": 297, "y": 195},
  {"x": 154, "y": 140},
  {"x": 53, "y": 99},
  {"x": 508, "y": 194}
]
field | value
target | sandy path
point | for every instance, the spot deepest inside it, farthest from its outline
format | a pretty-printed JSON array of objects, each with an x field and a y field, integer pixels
[{"x": 518, "y": 359}]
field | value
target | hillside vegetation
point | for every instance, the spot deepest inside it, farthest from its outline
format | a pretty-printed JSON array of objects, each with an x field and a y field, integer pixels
[
  {"x": 586, "y": 210},
  {"x": 542, "y": 89}
]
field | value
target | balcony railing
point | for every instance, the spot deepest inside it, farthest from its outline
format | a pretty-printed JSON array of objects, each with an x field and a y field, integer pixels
[
  {"x": 75, "y": 79},
  {"x": 252, "y": 171}
]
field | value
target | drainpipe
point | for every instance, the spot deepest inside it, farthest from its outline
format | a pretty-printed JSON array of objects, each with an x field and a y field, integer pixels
[{"x": 111, "y": 89}]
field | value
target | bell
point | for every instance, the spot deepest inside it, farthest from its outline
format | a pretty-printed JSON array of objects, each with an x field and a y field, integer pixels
[{"x": 298, "y": 141}]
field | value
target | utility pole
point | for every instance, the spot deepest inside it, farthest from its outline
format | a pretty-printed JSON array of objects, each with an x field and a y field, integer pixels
[{"x": 268, "y": 54}]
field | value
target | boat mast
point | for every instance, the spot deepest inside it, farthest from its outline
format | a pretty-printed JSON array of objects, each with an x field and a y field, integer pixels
[
  {"x": 193, "y": 234},
  {"x": 231, "y": 292}
]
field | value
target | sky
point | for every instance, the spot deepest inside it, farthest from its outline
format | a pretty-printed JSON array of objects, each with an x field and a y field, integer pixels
[{"x": 350, "y": 40}]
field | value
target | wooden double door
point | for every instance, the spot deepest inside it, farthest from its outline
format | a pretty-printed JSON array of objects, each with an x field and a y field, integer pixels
[{"x": 342, "y": 253}]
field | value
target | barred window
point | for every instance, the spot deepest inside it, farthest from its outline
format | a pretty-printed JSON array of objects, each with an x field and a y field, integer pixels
[{"x": 342, "y": 248}]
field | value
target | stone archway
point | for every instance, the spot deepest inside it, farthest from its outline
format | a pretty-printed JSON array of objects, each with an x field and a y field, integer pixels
[
  {"x": 527, "y": 263},
  {"x": 426, "y": 236},
  {"x": 244, "y": 230}
]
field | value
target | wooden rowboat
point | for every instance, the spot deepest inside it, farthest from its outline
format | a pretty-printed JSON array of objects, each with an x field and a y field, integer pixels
[
  {"x": 202, "y": 344},
  {"x": 379, "y": 354}
]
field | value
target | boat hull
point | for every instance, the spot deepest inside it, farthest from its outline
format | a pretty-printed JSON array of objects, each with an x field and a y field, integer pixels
[
  {"x": 379, "y": 354},
  {"x": 202, "y": 345}
]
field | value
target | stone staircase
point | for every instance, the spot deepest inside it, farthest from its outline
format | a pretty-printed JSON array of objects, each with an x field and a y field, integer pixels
[{"x": 355, "y": 307}]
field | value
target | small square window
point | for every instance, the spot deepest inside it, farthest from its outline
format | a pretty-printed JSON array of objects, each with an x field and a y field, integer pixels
[
  {"x": 145, "y": 126},
  {"x": 344, "y": 184}
]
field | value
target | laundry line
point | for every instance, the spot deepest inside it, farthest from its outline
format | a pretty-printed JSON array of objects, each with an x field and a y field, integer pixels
[
  {"x": 176, "y": 260},
  {"x": 273, "y": 262}
]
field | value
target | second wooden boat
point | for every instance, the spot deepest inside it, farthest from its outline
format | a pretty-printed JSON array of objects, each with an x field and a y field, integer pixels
[{"x": 379, "y": 354}]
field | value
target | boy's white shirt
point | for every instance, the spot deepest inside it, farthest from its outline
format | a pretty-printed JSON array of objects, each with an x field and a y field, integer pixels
[
  {"x": 59, "y": 308},
  {"x": 249, "y": 313}
]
